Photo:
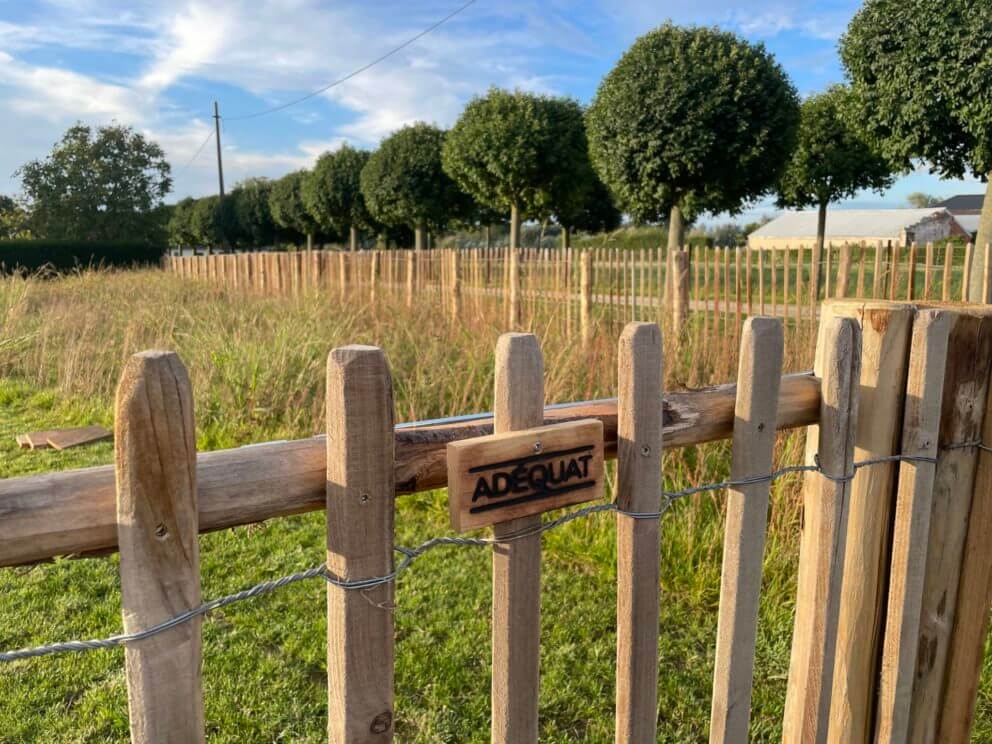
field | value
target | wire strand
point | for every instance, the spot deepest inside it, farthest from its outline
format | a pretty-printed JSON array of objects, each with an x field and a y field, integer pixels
[
  {"x": 359, "y": 71},
  {"x": 411, "y": 554}
]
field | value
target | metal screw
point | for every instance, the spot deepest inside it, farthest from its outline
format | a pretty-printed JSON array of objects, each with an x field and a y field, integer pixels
[
  {"x": 761, "y": 426},
  {"x": 645, "y": 451},
  {"x": 537, "y": 446},
  {"x": 365, "y": 498}
]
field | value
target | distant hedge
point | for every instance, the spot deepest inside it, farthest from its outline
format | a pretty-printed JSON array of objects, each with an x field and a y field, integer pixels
[{"x": 29, "y": 256}]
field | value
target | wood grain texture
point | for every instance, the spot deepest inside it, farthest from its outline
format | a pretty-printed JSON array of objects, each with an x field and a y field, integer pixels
[
  {"x": 516, "y": 613},
  {"x": 155, "y": 461},
  {"x": 965, "y": 388},
  {"x": 822, "y": 545},
  {"x": 531, "y": 447},
  {"x": 911, "y": 525},
  {"x": 360, "y": 515},
  {"x": 758, "y": 376},
  {"x": 885, "y": 338},
  {"x": 966, "y": 649},
  {"x": 72, "y": 512},
  {"x": 639, "y": 451}
]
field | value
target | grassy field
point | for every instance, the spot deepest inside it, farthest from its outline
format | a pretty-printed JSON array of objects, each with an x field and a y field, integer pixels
[{"x": 257, "y": 366}]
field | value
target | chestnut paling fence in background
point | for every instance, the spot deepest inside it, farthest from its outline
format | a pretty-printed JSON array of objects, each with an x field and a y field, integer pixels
[
  {"x": 706, "y": 292},
  {"x": 894, "y": 568}
]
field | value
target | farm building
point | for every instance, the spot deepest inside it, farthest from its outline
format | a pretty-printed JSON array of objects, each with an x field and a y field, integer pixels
[
  {"x": 900, "y": 226},
  {"x": 966, "y": 208}
]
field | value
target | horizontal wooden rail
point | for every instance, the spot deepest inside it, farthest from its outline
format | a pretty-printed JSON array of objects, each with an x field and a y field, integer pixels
[{"x": 73, "y": 512}]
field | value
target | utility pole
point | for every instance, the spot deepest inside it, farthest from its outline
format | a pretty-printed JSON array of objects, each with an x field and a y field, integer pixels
[{"x": 220, "y": 166}]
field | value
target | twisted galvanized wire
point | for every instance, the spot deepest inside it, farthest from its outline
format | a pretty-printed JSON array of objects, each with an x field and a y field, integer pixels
[{"x": 411, "y": 554}]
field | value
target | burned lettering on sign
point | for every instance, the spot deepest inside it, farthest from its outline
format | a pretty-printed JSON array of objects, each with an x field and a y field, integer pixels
[{"x": 502, "y": 477}]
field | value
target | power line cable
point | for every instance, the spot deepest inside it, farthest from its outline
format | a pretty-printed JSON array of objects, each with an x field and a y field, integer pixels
[
  {"x": 195, "y": 156},
  {"x": 360, "y": 70}
]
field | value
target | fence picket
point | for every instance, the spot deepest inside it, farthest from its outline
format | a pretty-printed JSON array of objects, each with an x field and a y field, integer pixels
[
  {"x": 911, "y": 526},
  {"x": 157, "y": 530},
  {"x": 516, "y": 618},
  {"x": 755, "y": 415},
  {"x": 360, "y": 514},
  {"x": 639, "y": 450},
  {"x": 825, "y": 510}
]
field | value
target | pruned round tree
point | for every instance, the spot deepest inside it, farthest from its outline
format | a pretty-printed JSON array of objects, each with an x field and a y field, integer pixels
[
  {"x": 592, "y": 209},
  {"x": 513, "y": 151},
  {"x": 403, "y": 182},
  {"x": 288, "y": 209},
  {"x": 332, "y": 193},
  {"x": 920, "y": 72},
  {"x": 252, "y": 213},
  {"x": 831, "y": 161},
  {"x": 691, "y": 120}
]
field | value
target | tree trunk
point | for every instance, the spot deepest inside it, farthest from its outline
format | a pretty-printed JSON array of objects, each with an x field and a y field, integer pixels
[
  {"x": 514, "y": 227},
  {"x": 821, "y": 232},
  {"x": 489, "y": 237},
  {"x": 309, "y": 242},
  {"x": 352, "y": 238},
  {"x": 418, "y": 237},
  {"x": 566, "y": 237},
  {"x": 676, "y": 228},
  {"x": 540, "y": 235},
  {"x": 978, "y": 268}
]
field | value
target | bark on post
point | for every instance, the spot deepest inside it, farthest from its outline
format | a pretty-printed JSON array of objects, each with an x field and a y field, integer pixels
[
  {"x": 157, "y": 530},
  {"x": 680, "y": 294}
]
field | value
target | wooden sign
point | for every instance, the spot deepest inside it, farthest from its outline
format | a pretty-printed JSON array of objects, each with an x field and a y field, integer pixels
[{"x": 505, "y": 476}]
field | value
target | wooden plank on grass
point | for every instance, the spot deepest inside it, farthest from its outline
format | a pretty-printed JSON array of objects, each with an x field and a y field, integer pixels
[
  {"x": 516, "y": 612},
  {"x": 157, "y": 527},
  {"x": 759, "y": 376},
  {"x": 62, "y": 439},
  {"x": 360, "y": 514},
  {"x": 911, "y": 526},
  {"x": 639, "y": 450},
  {"x": 822, "y": 545}
]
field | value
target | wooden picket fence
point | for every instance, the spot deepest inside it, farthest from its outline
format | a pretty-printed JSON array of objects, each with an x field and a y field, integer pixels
[
  {"x": 718, "y": 287},
  {"x": 894, "y": 567}
]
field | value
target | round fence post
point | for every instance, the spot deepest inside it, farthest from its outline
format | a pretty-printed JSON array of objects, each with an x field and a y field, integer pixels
[{"x": 157, "y": 529}]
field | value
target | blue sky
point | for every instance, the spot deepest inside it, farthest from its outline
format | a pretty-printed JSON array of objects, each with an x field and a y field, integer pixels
[{"x": 159, "y": 65}]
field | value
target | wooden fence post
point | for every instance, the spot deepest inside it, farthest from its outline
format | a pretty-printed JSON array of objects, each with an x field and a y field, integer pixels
[
  {"x": 585, "y": 306},
  {"x": 911, "y": 526},
  {"x": 844, "y": 271},
  {"x": 825, "y": 510},
  {"x": 945, "y": 288},
  {"x": 680, "y": 290},
  {"x": 157, "y": 530},
  {"x": 360, "y": 514},
  {"x": 456, "y": 284},
  {"x": 966, "y": 383},
  {"x": 885, "y": 337},
  {"x": 756, "y": 411},
  {"x": 639, "y": 449},
  {"x": 411, "y": 273},
  {"x": 966, "y": 650},
  {"x": 969, "y": 252},
  {"x": 516, "y": 618},
  {"x": 373, "y": 275}
]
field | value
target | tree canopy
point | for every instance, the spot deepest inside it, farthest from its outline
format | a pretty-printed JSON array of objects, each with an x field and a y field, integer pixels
[
  {"x": 695, "y": 119},
  {"x": 831, "y": 160},
  {"x": 404, "y": 183},
  {"x": 287, "y": 207},
  {"x": 13, "y": 219},
  {"x": 102, "y": 185},
  {"x": 516, "y": 151},
  {"x": 332, "y": 192},
  {"x": 920, "y": 72},
  {"x": 252, "y": 214}
]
